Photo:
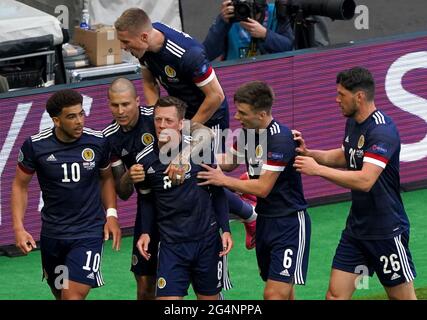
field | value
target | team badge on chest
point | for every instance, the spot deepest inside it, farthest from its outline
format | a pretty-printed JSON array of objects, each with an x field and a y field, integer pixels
[
  {"x": 170, "y": 72},
  {"x": 361, "y": 141},
  {"x": 88, "y": 154},
  {"x": 147, "y": 138}
]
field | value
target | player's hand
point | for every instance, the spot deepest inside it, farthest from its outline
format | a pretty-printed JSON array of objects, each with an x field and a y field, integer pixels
[
  {"x": 227, "y": 243},
  {"x": 24, "y": 241},
  {"x": 112, "y": 226},
  {"x": 302, "y": 148},
  {"x": 307, "y": 165},
  {"x": 136, "y": 173},
  {"x": 142, "y": 245},
  {"x": 213, "y": 176},
  {"x": 255, "y": 29},
  {"x": 176, "y": 173},
  {"x": 227, "y": 10}
]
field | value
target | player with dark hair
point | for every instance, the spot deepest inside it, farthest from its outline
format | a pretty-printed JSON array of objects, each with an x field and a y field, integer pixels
[
  {"x": 283, "y": 225},
  {"x": 73, "y": 170},
  {"x": 188, "y": 216},
  {"x": 376, "y": 236}
]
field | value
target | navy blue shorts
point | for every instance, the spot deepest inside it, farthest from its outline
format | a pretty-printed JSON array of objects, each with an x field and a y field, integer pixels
[
  {"x": 390, "y": 258},
  {"x": 195, "y": 262},
  {"x": 282, "y": 247},
  {"x": 77, "y": 260},
  {"x": 139, "y": 265}
]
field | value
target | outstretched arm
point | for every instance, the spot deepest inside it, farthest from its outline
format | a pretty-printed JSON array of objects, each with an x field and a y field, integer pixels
[
  {"x": 361, "y": 180},
  {"x": 260, "y": 187},
  {"x": 19, "y": 201}
]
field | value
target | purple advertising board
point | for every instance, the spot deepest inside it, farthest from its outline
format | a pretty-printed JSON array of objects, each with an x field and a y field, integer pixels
[{"x": 305, "y": 88}]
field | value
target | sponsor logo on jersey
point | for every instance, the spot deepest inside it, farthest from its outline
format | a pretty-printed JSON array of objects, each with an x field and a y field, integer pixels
[
  {"x": 161, "y": 283},
  {"x": 170, "y": 72},
  {"x": 151, "y": 170},
  {"x": 347, "y": 139},
  {"x": 124, "y": 152},
  {"x": 147, "y": 138},
  {"x": 88, "y": 154},
  {"x": 361, "y": 141},
  {"x": 51, "y": 158}
]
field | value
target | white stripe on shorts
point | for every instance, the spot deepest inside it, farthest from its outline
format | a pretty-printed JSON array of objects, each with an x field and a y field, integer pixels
[
  {"x": 407, "y": 272},
  {"x": 299, "y": 279}
]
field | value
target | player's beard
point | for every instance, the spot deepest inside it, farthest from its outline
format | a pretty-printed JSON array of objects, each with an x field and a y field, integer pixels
[{"x": 351, "y": 111}]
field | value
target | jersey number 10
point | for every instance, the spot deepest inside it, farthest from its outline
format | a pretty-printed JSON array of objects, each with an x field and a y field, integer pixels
[{"x": 75, "y": 172}]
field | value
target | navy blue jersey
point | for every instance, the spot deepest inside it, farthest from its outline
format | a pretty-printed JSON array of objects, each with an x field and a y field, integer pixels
[
  {"x": 181, "y": 66},
  {"x": 68, "y": 174},
  {"x": 185, "y": 212},
  {"x": 125, "y": 145},
  {"x": 379, "y": 213},
  {"x": 287, "y": 195}
]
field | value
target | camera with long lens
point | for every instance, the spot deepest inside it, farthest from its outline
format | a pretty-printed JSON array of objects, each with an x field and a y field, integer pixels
[
  {"x": 244, "y": 9},
  {"x": 334, "y": 9}
]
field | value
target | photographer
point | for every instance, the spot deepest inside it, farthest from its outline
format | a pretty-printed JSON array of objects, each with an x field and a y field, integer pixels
[{"x": 231, "y": 38}]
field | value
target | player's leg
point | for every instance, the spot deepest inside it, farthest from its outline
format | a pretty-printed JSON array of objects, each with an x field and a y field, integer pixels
[
  {"x": 246, "y": 212},
  {"x": 209, "y": 297},
  {"x": 83, "y": 262},
  {"x": 209, "y": 273},
  {"x": 170, "y": 298},
  {"x": 75, "y": 291},
  {"x": 342, "y": 284},
  {"x": 145, "y": 287},
  {"x": 144, "y": 271},
  {"x": 277, "y": 290},
  {"x": 393, "y": 264},
  {"x": 52, "y": 256},
  {"x": 403, "y": 291},
  {"x": 349, "y": 263},
  {"x": 173, "y": 270}
]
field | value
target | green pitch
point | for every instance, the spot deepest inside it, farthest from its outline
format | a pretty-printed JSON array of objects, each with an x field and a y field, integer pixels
[{"x": 20, "y": 278}]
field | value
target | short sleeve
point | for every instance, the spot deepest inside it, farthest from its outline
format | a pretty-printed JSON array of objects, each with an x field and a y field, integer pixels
[
  {"x": 281, "y": 150},
  {"x": 198, "y": 65},
  {"x": 26, "y": 158},
  {"x": 105, "y": 154},
  {"x": 382, "y": 144}
]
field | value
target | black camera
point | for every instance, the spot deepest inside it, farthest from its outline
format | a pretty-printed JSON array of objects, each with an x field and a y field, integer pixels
[
  {"x": 244, "y": 9},
  {"x": 334, "y": 9}
]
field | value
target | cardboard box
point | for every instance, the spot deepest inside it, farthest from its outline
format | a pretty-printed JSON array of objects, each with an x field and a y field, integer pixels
[{"x": 101, "y": 44}]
